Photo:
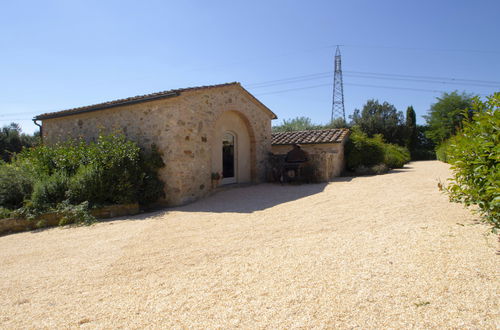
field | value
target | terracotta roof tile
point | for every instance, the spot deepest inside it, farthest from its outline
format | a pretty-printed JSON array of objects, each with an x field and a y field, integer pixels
[
  {"x": 334, "y": 135},
  {"x": 138, "y": 99}
]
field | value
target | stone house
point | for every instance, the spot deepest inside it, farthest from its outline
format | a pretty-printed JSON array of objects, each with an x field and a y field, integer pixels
[
  {"x": 200, "y": 131},
  {"x": 325, "y": 149}
]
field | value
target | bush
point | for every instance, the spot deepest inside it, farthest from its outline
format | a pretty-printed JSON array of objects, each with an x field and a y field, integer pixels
[
  {"x": 475, "y": 157},
  {"x": 111, "y": 170},
  {"x": 395, "y": 156},
  {"x": 363, "y": 154},
  {"x": 443, "y": 150},
  {"x": 49, "y": 191},
  {"x": 423, "y": 154},
  {"x": 5, "y": 213},
  {"x": 363, "y": 151},
  {"x": 16, "y": 185},
  {"x": 151, "y": 187},
  {"x": 75, "y": 214}
]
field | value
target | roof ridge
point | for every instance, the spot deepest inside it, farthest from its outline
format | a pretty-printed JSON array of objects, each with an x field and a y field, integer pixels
[
  {"x": 312, "y": 130},
  {"x": 128, "y": 100}
]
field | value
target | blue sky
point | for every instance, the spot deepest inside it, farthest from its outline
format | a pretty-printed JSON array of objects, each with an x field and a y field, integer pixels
[{"x": 62, "y": 54}]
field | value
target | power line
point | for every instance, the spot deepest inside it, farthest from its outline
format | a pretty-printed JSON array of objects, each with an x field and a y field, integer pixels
[
  {"x": 395, "y": 87},
  {"x": 359, "y": 85},
  {"x": 426, "y": 77},
  {"x": 294, "y": 89},
  {"x": 424, "y": 80},
  {"x": 481, "y": 51},
  {"x": 306, "y": 77},
  {"x": 375, "y": 75}
]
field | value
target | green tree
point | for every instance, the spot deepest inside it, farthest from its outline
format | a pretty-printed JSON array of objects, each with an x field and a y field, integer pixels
[
  {"x": 411, "y": 130},
  {"x": 337, "y": 123},
  {"x": 295, "y": 124},
  {"x": 12, "y": 141},
  {"x": 380, "y": 118},
  {"x": 444, "y": 118},
  {"x": 424, "y": 147},
  {"x": 475, "y": 157}
]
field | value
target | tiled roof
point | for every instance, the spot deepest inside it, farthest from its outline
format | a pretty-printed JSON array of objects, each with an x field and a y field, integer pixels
[
  {"x": 334, "y": 135},
  {"x": 142, "y": 98}
]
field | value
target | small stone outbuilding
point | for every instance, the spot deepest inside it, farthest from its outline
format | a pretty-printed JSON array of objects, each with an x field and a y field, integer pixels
[
  {"x": 325, "y": 149},
  {"x": 202, "y": 132}
]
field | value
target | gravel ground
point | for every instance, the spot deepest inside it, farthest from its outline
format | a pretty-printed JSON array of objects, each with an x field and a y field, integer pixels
[{"x": 386, "y": 251}]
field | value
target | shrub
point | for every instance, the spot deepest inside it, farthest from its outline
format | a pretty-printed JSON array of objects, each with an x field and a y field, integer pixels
[
  {"x": 111, "y": 170},
  {"x": 363, "y": 151},
  {"x": 49, "y": 191},
  {"x": 16, "y": 185},
  {"x": 75, "y": 214},
  {"x": 88, "y": 184},
  {"x": 443, "y": 150},
  {"x": 423, "y": 154},
  {"x": 475, "y": 157},
  {"x": 5, "y": 213},
  {"x": 151, "y": 187},
  {"x": 395, "y": 156}
]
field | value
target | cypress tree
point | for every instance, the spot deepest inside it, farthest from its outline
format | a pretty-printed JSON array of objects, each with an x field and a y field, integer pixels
[{"x": 411, "y": 130}]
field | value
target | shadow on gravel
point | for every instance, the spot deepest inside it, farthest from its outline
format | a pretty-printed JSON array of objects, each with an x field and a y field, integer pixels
[{"x": 252, "y": 198}]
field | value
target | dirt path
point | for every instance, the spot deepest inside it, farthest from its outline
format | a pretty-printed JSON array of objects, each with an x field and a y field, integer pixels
[{"x": 367, "y": 252}]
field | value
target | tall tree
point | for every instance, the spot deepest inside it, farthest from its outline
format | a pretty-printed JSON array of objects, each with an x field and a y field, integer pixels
[
  {"x": 444, "y": 117},
  {"x": 337, "y": 123},
  {"x": 380, "y": 118},
  {"x": 12, "y": 140},
  {"x": 295, "y": 124},
  {"x": 411, "y": 130}
]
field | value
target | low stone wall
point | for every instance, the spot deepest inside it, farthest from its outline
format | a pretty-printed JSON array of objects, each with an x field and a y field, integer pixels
[{"x": 13, "y": 225}]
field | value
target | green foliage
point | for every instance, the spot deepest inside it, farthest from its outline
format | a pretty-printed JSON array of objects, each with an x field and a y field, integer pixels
[
  {"x": 16, "y": 185},
  {"x": 424, "y": 148},
  {"x": 475, "y": 157},
  {"x": 75, "y": 214},
  {"x": 305, "y": 123},
  {"x": 395, "y": 156},
  {"x": 366, "y": 155},
  {"x": 444, "y": 118},
  {"x": 111, "y": 170},
  {"x": 89, "y": 184},
  {"x": 5, "y": 213},
  {"x": 13, "y": 141},
  {"x": 411, "y": 136},
  {"x": 296, "y": 124},
  {"x": 362, "y": 150},
  {"x": 443, "y": 150},
  {"x": 380, "y": 118},
  {"x": 337, "y": 123},
  {"x": 152, "y": 187},
  {"x": 49, "y": 191}
]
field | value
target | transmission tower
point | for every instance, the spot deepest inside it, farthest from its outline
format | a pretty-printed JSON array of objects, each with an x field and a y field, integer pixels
[{"x": 338, "y": 110}]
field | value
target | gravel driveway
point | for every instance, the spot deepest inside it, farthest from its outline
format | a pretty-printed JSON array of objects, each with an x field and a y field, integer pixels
[{"x": 367, "y": 252}]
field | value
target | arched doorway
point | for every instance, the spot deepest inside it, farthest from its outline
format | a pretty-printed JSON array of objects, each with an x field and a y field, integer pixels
[{"x": 233, "y": 149}]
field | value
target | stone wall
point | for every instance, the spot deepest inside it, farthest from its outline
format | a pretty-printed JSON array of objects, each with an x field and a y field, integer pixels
[
  {"x": 327, "y": 158},
  {"x": 183, "y": 128},
  {"x": 14, "y": 225}
]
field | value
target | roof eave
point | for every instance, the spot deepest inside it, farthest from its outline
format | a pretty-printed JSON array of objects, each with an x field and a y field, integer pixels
[
  {"x": 105, "y": 106},
  {"x": 259, "y": 103},
  {"x": 301, "y": 143}
]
